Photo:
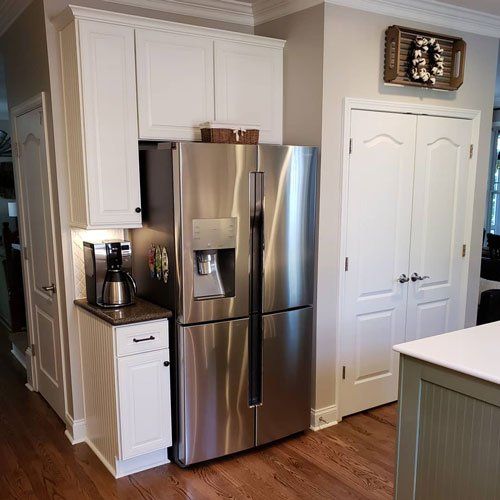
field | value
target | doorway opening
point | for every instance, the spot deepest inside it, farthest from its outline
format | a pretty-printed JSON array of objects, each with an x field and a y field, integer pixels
[
  {"x": 489, "y": 285},
  {"x": 12, "y": 301}
]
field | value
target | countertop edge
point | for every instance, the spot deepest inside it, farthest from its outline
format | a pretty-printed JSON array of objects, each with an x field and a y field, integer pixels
[
  {"x": 157, "y": 314},
  {"x": 451, "y": 366}
]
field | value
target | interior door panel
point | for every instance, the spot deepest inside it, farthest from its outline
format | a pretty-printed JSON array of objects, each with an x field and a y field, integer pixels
[
  {"x": 378, "y": 247},
  {"x": 438, "y": 226}
]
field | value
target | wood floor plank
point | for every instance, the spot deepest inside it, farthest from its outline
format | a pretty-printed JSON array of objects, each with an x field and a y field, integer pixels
[{"x": 352, "y": 460}]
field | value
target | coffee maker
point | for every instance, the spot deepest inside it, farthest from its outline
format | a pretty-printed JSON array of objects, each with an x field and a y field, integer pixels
[{"x": 107, "y": 273}]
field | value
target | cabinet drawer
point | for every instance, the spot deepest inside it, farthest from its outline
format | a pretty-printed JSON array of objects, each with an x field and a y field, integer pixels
[{"x": 141, "y": 337}]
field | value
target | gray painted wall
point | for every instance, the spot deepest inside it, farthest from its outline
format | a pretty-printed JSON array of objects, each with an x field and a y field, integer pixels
[
  {"x": 353, "y": 63},
  {"x": 303, "y": 73}
]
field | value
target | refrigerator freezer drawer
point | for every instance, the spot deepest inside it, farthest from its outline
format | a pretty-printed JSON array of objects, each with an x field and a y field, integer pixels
[
  {"x": 214, "y": 416},
  {"x": 286, "y": 394}
]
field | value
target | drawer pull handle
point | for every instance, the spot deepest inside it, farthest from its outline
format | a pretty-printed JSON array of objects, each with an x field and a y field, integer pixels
[
  {"x": 166, "y": 363},
  {"x": 144, "y": 340}
]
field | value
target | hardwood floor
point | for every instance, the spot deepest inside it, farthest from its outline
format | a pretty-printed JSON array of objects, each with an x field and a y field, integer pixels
[{"x": 354, "y": 459}]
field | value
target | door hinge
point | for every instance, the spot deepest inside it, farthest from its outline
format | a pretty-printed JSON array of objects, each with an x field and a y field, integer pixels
[
  {"x": 471, "y": 151},
  {"x": 25, "y": 253},
  {"x": 346, "y": 264},
  {"x": 32, "y": 347},
  {"x": 464, "y": 250},
  {"x": 350, "y": 145},
  {"x": 343, "y": 373}
]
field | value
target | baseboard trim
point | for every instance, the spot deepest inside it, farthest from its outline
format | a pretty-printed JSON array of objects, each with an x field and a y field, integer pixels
[
  {"x": 140, "y": 463},
  {"x": 122, "y": 468},
  {"x": 324, "y": 417},
  {"x": 19, "y": 355},
  {"x": 76, "y": 430}
]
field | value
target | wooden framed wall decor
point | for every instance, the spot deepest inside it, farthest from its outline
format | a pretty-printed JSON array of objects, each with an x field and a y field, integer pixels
[{"x": 400, "y": 46}]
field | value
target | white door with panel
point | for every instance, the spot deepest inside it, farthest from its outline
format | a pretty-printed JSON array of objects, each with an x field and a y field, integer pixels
[
  {"x": 405, "y": 231},
  {"x": 144, "y": 408},
  {"x": 378, "y": 247},
  {"x": 175, "y": 84},
  {"x": 39, "y": 267},
  {"x": 249, "y": 87},
  {"x": 438, "y": 226}
]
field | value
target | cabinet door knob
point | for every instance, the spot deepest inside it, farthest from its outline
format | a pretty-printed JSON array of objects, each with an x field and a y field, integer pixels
[
  {"x": 166, "y": 363},
  {"x": 138, "y": 210}
]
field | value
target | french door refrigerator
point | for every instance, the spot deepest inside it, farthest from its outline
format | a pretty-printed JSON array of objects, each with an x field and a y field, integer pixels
[{"x": 237, "y": 224}]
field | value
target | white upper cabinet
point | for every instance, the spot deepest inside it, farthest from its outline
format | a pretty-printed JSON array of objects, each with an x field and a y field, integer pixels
[
  {"x": 98, "y": 62},
  {"x": 249, "y": 87},
  {"x": 188, "y": 75},
  {"x": 175, "y": 84},
  {"x": 127, "y": 78}
]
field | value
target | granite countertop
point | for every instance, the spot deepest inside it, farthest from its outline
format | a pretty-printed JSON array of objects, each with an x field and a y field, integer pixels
[
  {"x": 141, "y": 311},
  {"x": 473, "y": 351}
]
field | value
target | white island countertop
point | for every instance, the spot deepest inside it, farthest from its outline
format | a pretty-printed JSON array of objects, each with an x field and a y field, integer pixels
[{"x": 473, "y": 351}]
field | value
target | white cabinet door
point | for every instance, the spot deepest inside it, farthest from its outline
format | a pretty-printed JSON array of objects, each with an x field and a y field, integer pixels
[
  {"x": 144, "y": 403},
  {"x": 107, "y": 58},
  {"x": 249, "y": 87},
  {"x": 175, "y": 84},
  {"x": 438, "y": 226},
  {"x": 378, "y": 247}
]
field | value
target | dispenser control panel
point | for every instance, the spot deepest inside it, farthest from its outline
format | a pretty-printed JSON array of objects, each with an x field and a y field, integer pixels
[{"x": 214, "y": 234}]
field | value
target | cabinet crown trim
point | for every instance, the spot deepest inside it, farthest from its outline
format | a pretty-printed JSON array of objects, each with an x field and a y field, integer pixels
[{"x": 74, "y": 12}]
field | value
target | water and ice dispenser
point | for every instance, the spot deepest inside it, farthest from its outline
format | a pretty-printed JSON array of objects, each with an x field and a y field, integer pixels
[{"x": 214, "y": 246}]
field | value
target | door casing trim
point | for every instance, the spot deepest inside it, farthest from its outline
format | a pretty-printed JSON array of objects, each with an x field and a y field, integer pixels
[{"x": 351, "y": 104}]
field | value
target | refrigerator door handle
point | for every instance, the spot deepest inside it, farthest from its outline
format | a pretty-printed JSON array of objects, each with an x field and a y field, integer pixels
[
  {"x": 256, "y": 240},
  {"x": 256, "y": 277}
]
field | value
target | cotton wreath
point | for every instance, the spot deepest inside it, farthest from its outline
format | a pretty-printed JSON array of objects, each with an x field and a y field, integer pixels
[{"x": 418, "y": 68}]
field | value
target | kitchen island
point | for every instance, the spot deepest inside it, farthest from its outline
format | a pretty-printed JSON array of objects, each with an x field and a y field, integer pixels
[{"x": 449, "y": 416}]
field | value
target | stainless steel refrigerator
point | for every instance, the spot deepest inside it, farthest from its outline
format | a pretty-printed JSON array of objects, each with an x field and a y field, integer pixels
[{"x": 238, "y": 225}]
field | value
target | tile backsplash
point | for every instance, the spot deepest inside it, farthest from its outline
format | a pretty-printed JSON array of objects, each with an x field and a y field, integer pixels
[{"x": 78, "y": 236}]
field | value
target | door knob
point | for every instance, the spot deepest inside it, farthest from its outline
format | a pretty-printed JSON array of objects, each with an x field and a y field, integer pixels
[
  {"x": 403, "y": 278},
  {"x": 51, "y": 288},
  {"x": 417, "y": 277},
  {"x": 166, "y": 363}
]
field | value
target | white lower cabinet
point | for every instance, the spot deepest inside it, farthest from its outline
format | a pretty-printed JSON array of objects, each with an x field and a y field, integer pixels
[
  {"x": 144, "y": 403},
  {"x": 126, "y": 386}
]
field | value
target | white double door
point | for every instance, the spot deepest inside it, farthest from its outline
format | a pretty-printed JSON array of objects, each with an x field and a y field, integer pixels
[{"x": 406, "y": 212}]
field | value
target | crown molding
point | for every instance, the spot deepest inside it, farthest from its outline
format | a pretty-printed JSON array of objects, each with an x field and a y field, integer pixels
[
  {"x": 268, "y": 10},
  {"x": 430, "y": 12},
  {"x": 10, "y": 11},
  {"x": 86, "y": 13},
  {"x": 229, "y": 11}
]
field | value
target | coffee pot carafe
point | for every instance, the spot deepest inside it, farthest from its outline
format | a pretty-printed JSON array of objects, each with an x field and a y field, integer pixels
[
  {"x": 119, "y": 289},
  {"x": 107, "y": 270}
]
